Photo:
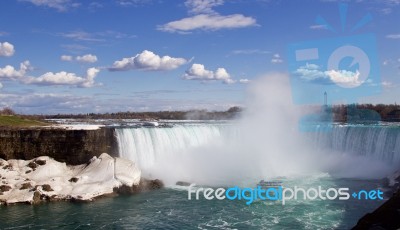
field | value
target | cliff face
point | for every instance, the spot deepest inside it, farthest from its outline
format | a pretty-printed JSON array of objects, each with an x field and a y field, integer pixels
[{"x": 70, "y": 146}]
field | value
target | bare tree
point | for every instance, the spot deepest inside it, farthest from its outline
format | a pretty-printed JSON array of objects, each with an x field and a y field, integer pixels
[{"x": 7, "y": 111}]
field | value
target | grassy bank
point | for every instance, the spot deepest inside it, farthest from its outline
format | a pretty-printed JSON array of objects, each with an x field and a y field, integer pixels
[{"x": 17, "y": 121}]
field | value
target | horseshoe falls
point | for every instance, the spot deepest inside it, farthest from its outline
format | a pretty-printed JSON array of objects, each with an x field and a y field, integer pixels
[{"x": 175, "y": 153}]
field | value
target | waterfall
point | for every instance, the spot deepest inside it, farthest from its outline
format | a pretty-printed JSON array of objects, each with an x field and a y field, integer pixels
[
  {"x": 144, "y": 145},
  {"x": 373, "y": 141},
  {"x": 198, "y": 152}
]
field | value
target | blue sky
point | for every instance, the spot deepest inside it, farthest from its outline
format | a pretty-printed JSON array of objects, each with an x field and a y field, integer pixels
[{"x": 69, "y": 56}]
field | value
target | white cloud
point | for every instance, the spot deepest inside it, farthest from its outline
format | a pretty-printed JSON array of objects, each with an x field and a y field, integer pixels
[
  {"x": 148, "y": 61},
  {"x": 10, "y": 72},
  {"x": 202, "y": 6},
  {"x": 229, "y": 81},
  {"x": 60, "y": 5},
  {"x": 310, "y": 72},
  {"x": 208, "y": 22},
  {"x": 244, "y": 81},
  {"x": 64, "y": 78},
  {"x": 6, "y": 49},
  {"x": 88, "y": 58},
  {"x": 205, "y": 18},
  {"x": 393, "y": 36},
  {"x": 66, "y": 58},
  {"x": 49, "y": 78},
  {"x": 199, "y": 72},
  {"x": 344, "y": 78},
  {"x": 276, "y": 59},
  {"x": 221, "y": 74}
]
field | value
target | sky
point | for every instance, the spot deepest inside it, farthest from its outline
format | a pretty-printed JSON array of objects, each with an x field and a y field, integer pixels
[{"x": 70, "y": 56}]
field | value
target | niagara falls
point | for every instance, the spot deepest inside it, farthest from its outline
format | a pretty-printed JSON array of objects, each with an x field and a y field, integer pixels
[{"x": 199, "y": 114}]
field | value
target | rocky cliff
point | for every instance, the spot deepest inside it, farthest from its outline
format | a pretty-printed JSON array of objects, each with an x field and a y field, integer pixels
[
  {"x": 386, "y": 216},
  {"x": 70, "y": 146}
]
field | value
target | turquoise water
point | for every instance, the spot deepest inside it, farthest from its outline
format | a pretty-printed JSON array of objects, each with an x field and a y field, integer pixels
[{"x": 170, "y": 209}]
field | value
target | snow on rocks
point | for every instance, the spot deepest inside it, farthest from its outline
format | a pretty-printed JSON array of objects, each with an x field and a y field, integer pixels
[
  {"x": 44, "y": 178},
  {"x": 78, "y": 126}
]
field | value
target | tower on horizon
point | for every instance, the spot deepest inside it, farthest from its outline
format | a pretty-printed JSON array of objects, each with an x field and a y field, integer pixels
[{"x": 325, "y": 99}]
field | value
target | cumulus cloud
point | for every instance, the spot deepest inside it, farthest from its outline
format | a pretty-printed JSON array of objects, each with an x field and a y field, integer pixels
[
  {"x": 344, "y": 78},
  {"x": 6, "y": 49},
  {"x": 148, "y": 61},
  {"x": 66, "y": 58},
  {"x": 88, "y": 58},
  {"x": 276, "y": 59},
  {"x": 199, "y": 72},
  {"x": 65, "y": 78},
  {"x": 9, "y": 72},
  {"x": 49, "y": 78},
  {"x": 205, "y": 18}
]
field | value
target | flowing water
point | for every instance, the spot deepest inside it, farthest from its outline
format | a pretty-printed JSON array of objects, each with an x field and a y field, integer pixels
[{"x": 353, "y": 156}]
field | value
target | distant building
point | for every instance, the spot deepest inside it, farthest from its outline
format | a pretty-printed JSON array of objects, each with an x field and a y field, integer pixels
[{"x": 325, "y": 99}]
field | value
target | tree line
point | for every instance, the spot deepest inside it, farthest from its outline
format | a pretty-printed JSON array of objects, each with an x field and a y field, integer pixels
[{"x": 337, "y": 113}]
